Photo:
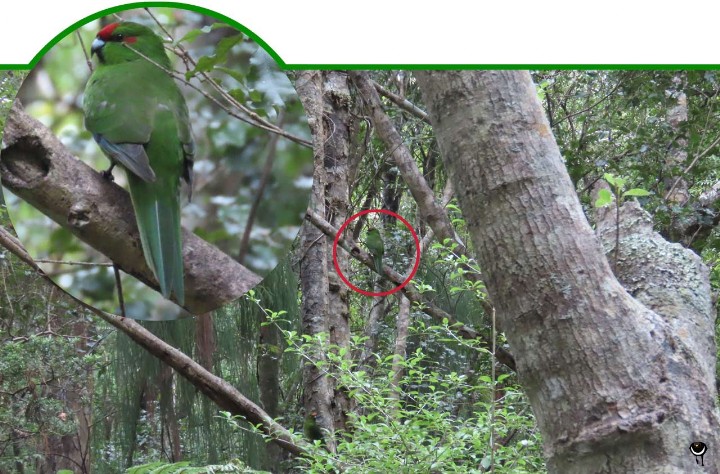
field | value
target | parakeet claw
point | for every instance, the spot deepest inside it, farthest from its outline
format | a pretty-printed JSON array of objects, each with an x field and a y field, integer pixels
[{"x": 107, "y": 174}]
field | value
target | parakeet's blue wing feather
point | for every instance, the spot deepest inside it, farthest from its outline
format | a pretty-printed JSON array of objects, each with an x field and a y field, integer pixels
[{"x": 130, "y": 155}]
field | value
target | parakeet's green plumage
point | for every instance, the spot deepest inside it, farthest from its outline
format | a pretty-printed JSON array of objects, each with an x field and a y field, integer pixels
[
  {"x": 311, "y": 429},
  {"x": 138, "y": 116},
  {"x": 374, "y": 243}
]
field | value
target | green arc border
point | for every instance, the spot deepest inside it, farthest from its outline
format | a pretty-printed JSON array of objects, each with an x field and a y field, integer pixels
[
  {"x": 135, "y": 5},
  {"x": 288, "y": 67}
]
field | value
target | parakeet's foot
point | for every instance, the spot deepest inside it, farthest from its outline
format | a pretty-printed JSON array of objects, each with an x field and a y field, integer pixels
[{"x": 107, "y": 174}]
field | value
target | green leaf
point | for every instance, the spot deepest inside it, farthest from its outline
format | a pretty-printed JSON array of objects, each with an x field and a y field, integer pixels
[
  {"x": 637, "y": 192},
  {"x": 238, "y": 94},
  {"x": 609, "y": 178},
  {"x": 220, "y": 24},
  {"x": 237, "y": 75},
  {"x": 604, "y": 198},
  {"x": 224, "y": 45},
  {"x": 192, "y": 35},
  {"x": 207, "y": 63}
]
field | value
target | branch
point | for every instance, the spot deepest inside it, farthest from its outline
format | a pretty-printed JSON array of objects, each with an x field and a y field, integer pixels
[
  {"x": 254, "y": 119},
  {"x": 224, "y": 395},
  {"x": 690, "y": 166},
  {"x": 464, "y": 331},
  {"x": 404, "y": 104},
  {"x": 429, "y": 208},
  {"x": 39, "y": 169}
]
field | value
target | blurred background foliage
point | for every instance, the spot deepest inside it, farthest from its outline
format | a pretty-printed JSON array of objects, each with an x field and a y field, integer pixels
[{"x": 247, "y": 180}]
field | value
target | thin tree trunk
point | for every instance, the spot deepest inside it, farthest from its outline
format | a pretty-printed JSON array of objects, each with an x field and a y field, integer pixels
[
  {"x": 676, "y": 117},
  {"x": 71, "y": 451},
  {"x": 336, "y": 143},
  {"x": 205, "y": 340},
  {"x": 318, "y": 390},
  {"x": 614, "y": 388},
  {"x": 268, "y": 374},
  {"x": 372, "y": 330},
  {"x": 169, "y": 415},
  {"x": 401, "y": 333}
]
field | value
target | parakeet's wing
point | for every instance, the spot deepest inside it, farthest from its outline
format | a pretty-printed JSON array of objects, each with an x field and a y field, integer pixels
[
  {"x": 188, "y": 144},
  {"x": 121, "y": 118}
]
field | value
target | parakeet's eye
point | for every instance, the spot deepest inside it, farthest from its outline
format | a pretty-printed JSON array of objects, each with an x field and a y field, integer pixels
[{"x": 118, "y": 37}]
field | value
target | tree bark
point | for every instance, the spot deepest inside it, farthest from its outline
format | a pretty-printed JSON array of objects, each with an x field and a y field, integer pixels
[
  {"x": 336, "y": 143},
  {"x": 318, "y": 389},
  {"x": 613, "y": 386}
]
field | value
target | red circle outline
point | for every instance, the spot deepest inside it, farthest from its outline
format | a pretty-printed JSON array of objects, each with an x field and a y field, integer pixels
[{"x": 417, "y": 252}]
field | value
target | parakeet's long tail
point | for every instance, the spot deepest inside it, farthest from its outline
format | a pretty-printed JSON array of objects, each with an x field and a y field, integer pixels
[
  {"x": 378, "y": 264},
  {"x": 157, "y": 211}
]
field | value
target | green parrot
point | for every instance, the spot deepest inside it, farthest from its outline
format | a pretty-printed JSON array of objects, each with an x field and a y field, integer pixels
[
  {"x": 139, "y": 118},
  {"x": 374, "y": 243},
  {"x": 312, "y": 430}
]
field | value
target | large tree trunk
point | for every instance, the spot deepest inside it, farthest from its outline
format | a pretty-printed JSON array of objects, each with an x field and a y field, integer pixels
[{"x": 615, "y": 386}]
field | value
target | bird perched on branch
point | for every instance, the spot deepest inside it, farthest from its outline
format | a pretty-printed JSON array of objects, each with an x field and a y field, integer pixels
[
  {"x": 138, "y": 116},
  {"x": 376, "y": 248},
  {"x": 312, "y": 430}
]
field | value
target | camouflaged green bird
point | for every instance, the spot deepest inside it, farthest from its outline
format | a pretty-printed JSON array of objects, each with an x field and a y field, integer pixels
[
  {"x": 312, "y": 430},
  {"x": 376, "y": 247}
]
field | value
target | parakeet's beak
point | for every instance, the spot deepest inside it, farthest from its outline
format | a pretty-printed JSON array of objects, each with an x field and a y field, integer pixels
[{"x": 96, "y": 47}]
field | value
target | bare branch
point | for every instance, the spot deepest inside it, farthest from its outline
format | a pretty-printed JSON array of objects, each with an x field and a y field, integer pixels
[{"x": 404, "y": 104}]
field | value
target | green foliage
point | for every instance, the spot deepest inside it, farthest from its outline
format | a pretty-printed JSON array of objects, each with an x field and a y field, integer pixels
[
  {"x": 9, "y": 85},
  {"x": 618, "y": 183},
  {"x": 234, "y": 467},
  {"x": 49, "y": 356},
  {"x": 430, "y": 419},
  {"x": 620, "y": 122}
]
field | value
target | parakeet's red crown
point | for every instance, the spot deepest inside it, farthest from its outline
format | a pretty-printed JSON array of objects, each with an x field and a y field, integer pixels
[{"x": 106, "y": 32}]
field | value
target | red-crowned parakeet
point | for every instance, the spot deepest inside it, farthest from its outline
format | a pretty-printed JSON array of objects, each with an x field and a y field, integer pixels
[{"x": 138, "y": 116}]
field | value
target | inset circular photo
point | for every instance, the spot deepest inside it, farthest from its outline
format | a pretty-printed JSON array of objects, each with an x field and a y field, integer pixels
[{"x": 157, "y": 163}]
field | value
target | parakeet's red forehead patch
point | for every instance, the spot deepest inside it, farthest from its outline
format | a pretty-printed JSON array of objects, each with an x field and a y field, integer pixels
[{"x": 106, "y": 32}]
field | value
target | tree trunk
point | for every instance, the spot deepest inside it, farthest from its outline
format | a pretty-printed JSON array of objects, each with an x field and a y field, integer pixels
[
  {"x": 614, "y": 385},
  {"x": 336, "y": 105},
  {"x": 317, "y": 388},
  {"x": 268, "y": 376}
]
